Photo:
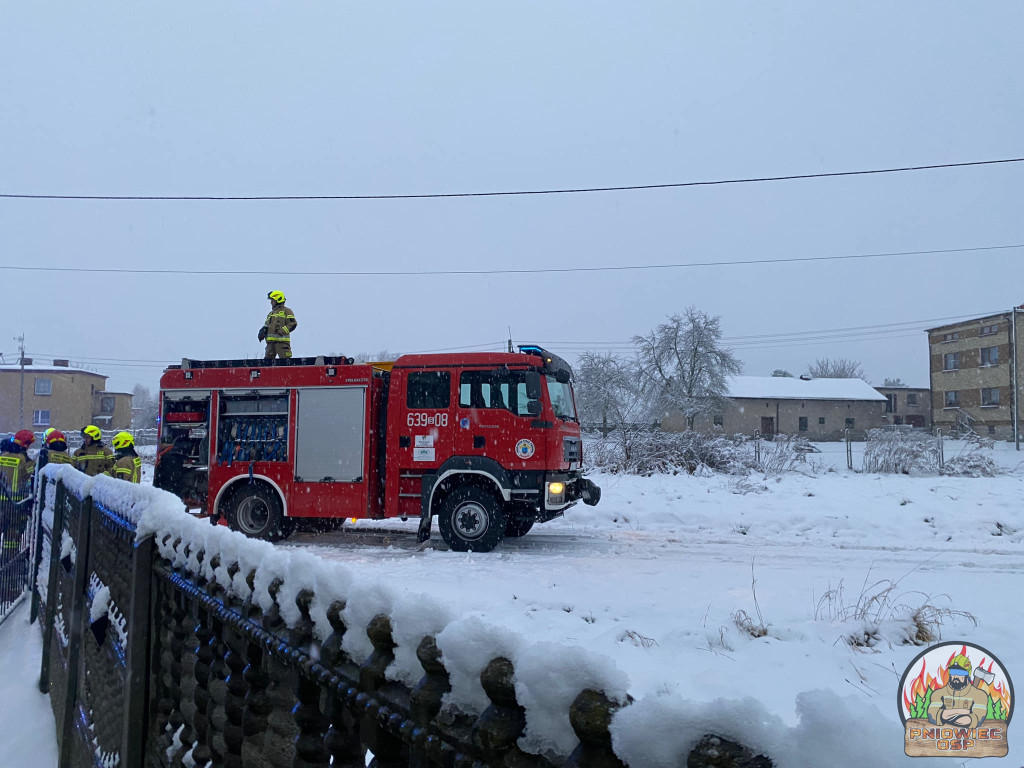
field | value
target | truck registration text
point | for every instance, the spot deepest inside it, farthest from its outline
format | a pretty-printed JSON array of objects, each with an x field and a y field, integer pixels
[{"x": 427, "y": 420}]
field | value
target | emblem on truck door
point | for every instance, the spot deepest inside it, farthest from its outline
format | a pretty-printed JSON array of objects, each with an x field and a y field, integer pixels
[{"x": 525, "y": 449}]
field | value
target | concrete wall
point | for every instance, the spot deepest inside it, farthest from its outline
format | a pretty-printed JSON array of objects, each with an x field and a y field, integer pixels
[
  {"x": 70, "y": 403},
  {"x": 971, "y": 377},
  {"x": 743, "y": 416},
  {"x": 118, "y": 417},
  {"x": 922, "y": 409}
]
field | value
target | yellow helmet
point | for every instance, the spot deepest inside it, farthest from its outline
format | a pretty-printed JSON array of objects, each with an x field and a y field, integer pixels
[
  {"x": 46, "y": 434},
  {"x": 276, "y": 296},
  {"x": 961, "y": 661},
  {"x": 92, "y": 431},
  {"x": 122, "y": 440}
]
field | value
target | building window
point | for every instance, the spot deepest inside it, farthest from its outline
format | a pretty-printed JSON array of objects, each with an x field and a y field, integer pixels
[
  {"x": 803, "y": 423},
  {"x": 991, "y": 429},
  {"x": 107, "y": 406},
  {"x": 953, "y": 399},
  {"x": 430, "y": 389},
  {"x": 988, "y": 330},
  {"x": 890, "y": 403},
  {"x": 849, "y": 423},
  {"x": 718, "y": 421},
  {"x": 44, "y": 386},
  {"x": 990, "y": 356},
  {"x": 955, "y": 336},
  {"x": 40, "y": 418},
  {"x": 911, "y": 398},
  {"x": 951, "y": 361},
  {"x": 821, "y": 420},
  {"x": 990, "y": 396}
]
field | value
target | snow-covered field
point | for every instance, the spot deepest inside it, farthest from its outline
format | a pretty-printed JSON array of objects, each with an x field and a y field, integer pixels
[{"x": 655, "y": 578}]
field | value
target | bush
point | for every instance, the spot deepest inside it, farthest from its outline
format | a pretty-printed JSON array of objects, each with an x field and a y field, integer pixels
[
  {"x": 652, "y": 452},
  {"x": 971, "y": 460},
  {"x": 900, "y": 452}
]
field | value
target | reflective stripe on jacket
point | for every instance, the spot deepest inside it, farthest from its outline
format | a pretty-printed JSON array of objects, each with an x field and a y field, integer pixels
[
  {"x": 16, "y": 469},
  {"x": 280, "y": 323},
  {"x": 128, "y": 468},
  {"x": 95, "y": 459}
]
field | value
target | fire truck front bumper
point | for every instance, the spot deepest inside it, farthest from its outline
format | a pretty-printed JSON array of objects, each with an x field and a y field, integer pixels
[{"x": 562, "y": 491}]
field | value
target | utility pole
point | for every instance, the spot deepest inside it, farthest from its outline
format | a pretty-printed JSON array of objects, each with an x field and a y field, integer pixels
[
  {"x": 21, "y": 362},
  {"x": 1014, "y": 373},
  {"x": 510, "y": 338}
]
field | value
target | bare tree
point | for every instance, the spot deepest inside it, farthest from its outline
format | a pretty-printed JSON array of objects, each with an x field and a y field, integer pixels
[
  {"x": 685, "y": 364},
  {"x": 782, "y": 373},
  {"x": 897, "y": 382},
  {"x": 610, "y": 392},
  {"x": 836, "y": 368},
  {"x": 145, "y": 406}
]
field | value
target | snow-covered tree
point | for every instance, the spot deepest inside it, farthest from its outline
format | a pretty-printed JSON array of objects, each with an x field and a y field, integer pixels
[
  {"x": 145, "y": 407},
  {"x": 376, "y": 357},
  {"x": 686, "y": 365},
  {"x": 897, "y": 382},
  {"x": 782, "y": 373},
  {"x": 611, "y": 395},
  {"x": 836, "y": 368}
]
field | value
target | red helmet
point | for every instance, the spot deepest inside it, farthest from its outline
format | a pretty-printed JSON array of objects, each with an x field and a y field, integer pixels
[
  {"x": 55, "y": 436},
  {"x": 24, "y": 438}
]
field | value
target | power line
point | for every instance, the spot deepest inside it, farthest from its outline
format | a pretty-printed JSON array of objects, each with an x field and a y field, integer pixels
[
  {"x": 522, "y": 192},
  {"x": 534, "y": 271}
]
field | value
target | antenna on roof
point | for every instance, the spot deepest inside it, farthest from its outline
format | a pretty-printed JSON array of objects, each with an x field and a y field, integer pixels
[{"x": 510, "y": 339}]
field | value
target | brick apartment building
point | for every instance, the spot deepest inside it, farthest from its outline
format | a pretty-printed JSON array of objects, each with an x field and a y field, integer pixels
[
  {"x": 974, "y": 376},
  {"x": 59, "y": 396}
]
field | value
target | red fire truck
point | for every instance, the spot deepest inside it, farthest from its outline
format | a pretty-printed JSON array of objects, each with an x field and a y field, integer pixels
[{"x": 488, "y": 443}]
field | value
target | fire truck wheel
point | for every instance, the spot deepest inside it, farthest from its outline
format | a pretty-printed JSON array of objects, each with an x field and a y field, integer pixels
[
  {"x": 255, "y": 510},
  {"x": 516, "y": 527},
  {"x": 471, "y": 520}
]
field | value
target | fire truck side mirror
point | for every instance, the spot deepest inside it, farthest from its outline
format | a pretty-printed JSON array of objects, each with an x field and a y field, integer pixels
[
  {"x": 533, "y": 386},
  {"x": 562, "y": 376},
  {"x": 534, "y": 408}
]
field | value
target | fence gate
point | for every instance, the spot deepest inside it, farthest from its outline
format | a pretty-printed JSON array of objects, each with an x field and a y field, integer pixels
[{"x": 15, "y": 548}]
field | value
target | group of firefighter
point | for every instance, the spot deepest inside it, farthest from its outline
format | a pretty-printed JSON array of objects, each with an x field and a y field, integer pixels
[{"x": 17, "y": 476}]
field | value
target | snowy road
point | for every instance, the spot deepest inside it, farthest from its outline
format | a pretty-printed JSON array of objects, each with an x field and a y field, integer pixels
[{"x": 653, "y": 577}]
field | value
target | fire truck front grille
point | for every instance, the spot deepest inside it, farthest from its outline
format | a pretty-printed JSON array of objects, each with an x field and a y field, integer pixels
[{"x": 571, "y": 449}]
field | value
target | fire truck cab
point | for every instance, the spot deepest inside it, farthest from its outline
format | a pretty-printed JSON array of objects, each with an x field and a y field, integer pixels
[{"x": 488, "y": 443}]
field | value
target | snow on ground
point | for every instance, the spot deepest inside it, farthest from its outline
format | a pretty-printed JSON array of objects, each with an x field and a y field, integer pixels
[
  {"x": 26, "y": 719},
  {"x": 654, "y": 578}
]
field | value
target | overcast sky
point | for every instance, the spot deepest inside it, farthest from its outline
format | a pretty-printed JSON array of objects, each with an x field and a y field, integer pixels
[{"x": 234, "y": 98}]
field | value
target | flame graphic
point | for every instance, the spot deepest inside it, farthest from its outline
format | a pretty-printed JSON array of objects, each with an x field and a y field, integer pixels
[{"x": 925, "y": 680}]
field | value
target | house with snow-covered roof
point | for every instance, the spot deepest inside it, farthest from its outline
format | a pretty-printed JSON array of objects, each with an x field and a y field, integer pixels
[{"x": 819, "y": 409}]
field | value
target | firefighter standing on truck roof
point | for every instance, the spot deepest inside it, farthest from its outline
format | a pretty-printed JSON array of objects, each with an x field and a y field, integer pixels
[
  {"x": 276, "y": 331},
  {"x": 94, "y": 458},
  {"x": 128, "y": 465}
]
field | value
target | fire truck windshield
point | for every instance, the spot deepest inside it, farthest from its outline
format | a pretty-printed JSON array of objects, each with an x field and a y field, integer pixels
[{"x": 561, "y": 398}]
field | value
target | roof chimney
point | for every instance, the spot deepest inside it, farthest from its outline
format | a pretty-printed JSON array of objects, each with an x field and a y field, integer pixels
[{"x": 61, "y": 364}]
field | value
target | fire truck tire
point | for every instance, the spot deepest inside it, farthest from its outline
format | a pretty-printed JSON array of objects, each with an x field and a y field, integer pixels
[
  {"x": 255, "y": 510},
  {"x": 516, "y": 527},
  {"x": 471, "y": 520}
]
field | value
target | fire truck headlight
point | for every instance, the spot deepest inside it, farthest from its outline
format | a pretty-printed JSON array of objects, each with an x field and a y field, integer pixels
[{"x": 556, "y": 493}]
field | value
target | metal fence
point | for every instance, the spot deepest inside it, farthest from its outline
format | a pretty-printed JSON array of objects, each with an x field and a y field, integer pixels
[
  {"x": 15, "y": 547},
  {"x": 151, "y": 661},
  {"x": 849, "y": 452}
]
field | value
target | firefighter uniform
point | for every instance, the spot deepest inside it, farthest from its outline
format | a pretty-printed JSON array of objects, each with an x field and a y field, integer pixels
[
  {"x": 278, "y": 327},
  {"x": 16, "y": 468},
  {"x": 94, "y": 458},
  {"x": 55, "y": 451},
  {"x": 128, "y": 465}
]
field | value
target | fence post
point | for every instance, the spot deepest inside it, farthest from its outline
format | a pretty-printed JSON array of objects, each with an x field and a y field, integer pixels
[
  {"x": 56, "y": 534},
  {"x": 757, "y": 448},
  {"x": 75, "y": 631},
  {"x": 849, "y": 450},
  {"x": 136, "y": 708},
  {"x": 942, "y": 449},
  {"x": 37, "y": 549}
]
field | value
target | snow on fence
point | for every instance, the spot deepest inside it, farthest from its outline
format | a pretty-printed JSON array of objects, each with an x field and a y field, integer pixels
[{"x": 172, "y": 642}]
